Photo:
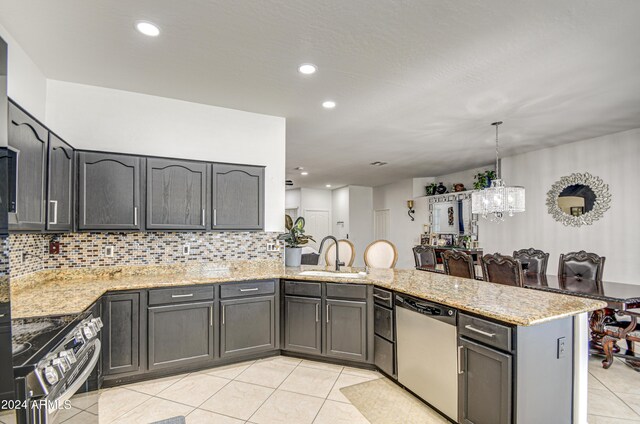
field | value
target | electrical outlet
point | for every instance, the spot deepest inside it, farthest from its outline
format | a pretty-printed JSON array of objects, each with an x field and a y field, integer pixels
[
  {"x": 54, "y": 247},
  {"x": 562, "y": 347},
  {"x": 109, "y": 251},
  {"x": 186, "y": 249},
  {"x": 272, "y": 247}
]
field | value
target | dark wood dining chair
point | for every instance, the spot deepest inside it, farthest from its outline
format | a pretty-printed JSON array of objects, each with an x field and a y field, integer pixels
[
  {"x": 501, "y": 269},
  {"x": 458, "y": 264},
  {"x": 424, "y": 256},
  {"x": 581, "y": 266},
  {"x": 533, "y": 261}
]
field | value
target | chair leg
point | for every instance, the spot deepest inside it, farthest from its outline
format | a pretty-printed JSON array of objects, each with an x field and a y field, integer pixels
[{"x": 608, "y": 343}]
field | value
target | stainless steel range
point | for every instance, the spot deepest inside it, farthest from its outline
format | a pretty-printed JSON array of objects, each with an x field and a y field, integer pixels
[{"x": 47, "y": 380}]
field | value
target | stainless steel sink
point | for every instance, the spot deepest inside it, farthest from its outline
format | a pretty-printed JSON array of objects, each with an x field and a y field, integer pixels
[{"x": 333, "y": 274}]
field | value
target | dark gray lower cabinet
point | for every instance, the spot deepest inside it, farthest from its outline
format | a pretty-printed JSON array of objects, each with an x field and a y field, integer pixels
[
  {"x": 121, "y": 338},
  {"x": 180, "y": 334},
  {"x": 302, "y": 328},
  {"x": 247, "y": 325},
  {"x": 346, "y": 329},
  {"x": 484, "y": 385}
]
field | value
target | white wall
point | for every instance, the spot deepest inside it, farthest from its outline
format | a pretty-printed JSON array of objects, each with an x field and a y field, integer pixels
[
  {"x": 403, "y": 232},
  {"x": 614, "y": 158},
  {"x": 340, "y": 212},
  {"x": 292, "y": 199},
  {"x": 27, "y": 84},
  {"x": 360, "y": 220},
  {"x": 465, "y": 177},
  {"x": 99, "y": 118}
]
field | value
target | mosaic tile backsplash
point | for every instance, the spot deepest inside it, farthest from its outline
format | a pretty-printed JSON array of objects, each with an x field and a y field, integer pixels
[{"x": 30, "y": 252}]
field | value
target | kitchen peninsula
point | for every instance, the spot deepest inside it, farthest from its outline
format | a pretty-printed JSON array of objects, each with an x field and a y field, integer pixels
[{"x": 253, "y": 301}]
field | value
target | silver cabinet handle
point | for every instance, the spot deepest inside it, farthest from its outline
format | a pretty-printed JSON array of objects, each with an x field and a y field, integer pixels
[
  {"x": 460, "y": 370},
  {"x": 223, "y": 310},
  {"x": 203, "y": 217},
  {"x": 476, "y": 330},
  {"x": 377, "y": 296},
  {"x": 55, "y": 212},
  {"x": 135, "y": 215},
  {"x": 3, "y": 315},
  {"x": 182, "y": 295},
  {"x": 317, "y": 312},
  {"x": 211, "y": 316},
  {"x": 249, "y": 290},
  {"x": 215, "y": 217},
  {"x": 328, "y": 313}
]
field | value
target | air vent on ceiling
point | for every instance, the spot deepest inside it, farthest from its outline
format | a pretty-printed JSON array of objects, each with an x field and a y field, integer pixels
[
  {"x": 288, "y": 182},
  {"x": 378, "y": 163}
]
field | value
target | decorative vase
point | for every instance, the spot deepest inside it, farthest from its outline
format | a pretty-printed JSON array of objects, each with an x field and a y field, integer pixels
[
  {"x": 458, "y": 187},
  {"x": 441, "y": 189},
  {"x": 292, "y": 256}
]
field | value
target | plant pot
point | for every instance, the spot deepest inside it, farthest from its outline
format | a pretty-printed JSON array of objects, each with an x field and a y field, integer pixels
[{"x": 292, "y": 256}]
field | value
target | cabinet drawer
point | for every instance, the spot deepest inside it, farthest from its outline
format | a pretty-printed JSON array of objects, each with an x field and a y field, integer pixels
[
  {"x": 383, "y": 355},
  {"x": 487, "y": 332},
  {"x": 250, "y": 288},
  {"x": 298, "y": 288},
  {"x": 383, "y": 297},
  {"x": 346, "y": 291},
  {"x": 383, "y": 322},
  {"x": 180, "y": 294}
]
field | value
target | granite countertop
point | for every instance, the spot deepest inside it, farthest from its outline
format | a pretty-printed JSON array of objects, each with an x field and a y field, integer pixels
[{"x": 56, "y": 292}]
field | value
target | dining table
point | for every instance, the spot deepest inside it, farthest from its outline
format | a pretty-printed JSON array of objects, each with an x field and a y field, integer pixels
[{"x": 617, "y": 322}]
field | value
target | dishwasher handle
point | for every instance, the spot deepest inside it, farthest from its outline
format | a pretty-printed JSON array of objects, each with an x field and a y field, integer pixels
[{"x": 427, "y": 308}]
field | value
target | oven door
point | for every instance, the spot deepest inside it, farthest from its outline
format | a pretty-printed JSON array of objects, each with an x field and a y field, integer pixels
[{"x": 59, "y": 397}]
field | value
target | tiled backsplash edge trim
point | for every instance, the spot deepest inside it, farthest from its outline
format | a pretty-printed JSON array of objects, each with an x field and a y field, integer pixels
[{"x": 29, "y": 253}]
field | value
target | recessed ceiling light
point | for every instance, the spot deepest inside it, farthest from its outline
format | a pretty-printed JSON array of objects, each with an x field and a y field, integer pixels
[
  {"x": 147, "y": 28},
  {"x": 329, "y": 104},
  {"x": 328, "y": 186},
  {"x": 304, "y": 173},
  {"x": 307, "y": 68},
  {"x": 299, "y": 168}
]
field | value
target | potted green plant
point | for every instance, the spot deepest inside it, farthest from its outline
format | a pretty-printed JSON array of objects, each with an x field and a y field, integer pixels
[
  {"x": 294, "y": 238},
  {"x": 483, "y": 179},
  {"x": 431, "y": 189}
]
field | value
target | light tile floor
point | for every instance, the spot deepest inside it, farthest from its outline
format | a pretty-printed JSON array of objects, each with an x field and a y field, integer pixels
[{"x": 288, "y": 390}]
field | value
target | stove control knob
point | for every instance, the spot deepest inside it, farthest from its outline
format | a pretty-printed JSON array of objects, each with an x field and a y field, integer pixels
[
  {"x": 50, "y": 375},
  {"x": 61, "y": 364},
  {"x": 88, "y": 332},
  {"x": 78, "y": 338},
  {"x": 69, "y": 356},
  {"x": 97, "y": 322}
]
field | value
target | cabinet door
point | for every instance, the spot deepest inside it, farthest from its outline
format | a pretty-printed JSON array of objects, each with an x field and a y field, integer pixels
[
  {"x": 485, "y": 385},
  {"x": 237, "y": 197},
  {"x": 6, "y": 371},
  {"x": 28, "y": 141},
  {"x": 60, "y": 186},
  {"x": 346, "y": 329},
  {"x": 180, "y": 334},
  {"x": 121, "y": 333},
  {"x": 176, "y": 194},
  {"x": 303, "y": 329},
  {"x": 248, "y": 325},
  {"x": 109, "y": 192}
]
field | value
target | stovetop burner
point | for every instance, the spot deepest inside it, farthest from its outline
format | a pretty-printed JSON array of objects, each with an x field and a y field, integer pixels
[
  {"x": 18, "y": 348},
  {"x": 29, "y": 335}
]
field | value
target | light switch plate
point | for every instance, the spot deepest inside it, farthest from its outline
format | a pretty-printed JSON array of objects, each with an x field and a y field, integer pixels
[
  {"x": 562, "y": 347},
  {"x": 186, "y": 249},
  {"x": 272, "y": 247},
  {"x": 109, "y": 251}
]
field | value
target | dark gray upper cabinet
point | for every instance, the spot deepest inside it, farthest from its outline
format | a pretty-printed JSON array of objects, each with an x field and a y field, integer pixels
[
  {"x": 28, "y": 142},
  {"x": 109, "y": 192},
  {"x": 237, "y": 197},
  {"x": 121, "y": 338},
  {"x": 60, "y": 185},
  {"x": 484, "y": 385},
  {"x": 302, "y": 328},
  {"x": 247, "y": 325},
  {"x": 176, "y": 194},
  {"x": 180, "y": 334},
  {"x": 346, "y": 329}
]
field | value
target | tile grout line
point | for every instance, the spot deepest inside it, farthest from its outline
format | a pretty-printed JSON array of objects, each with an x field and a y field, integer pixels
[
  {"x": 275, "y": 390},
  {"x": 615, "y": 395},
  {"x": 328, "y": 394}
]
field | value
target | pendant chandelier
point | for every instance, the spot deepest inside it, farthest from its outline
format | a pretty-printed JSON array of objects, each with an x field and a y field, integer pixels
[{"x": 498, "y": 200}]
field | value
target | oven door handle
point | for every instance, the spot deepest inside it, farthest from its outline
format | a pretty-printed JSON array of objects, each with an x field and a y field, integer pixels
[{"x": 75, "y": 386}]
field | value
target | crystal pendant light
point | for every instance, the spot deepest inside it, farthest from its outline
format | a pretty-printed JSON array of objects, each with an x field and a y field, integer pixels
[{"x": 498, "y": 200}]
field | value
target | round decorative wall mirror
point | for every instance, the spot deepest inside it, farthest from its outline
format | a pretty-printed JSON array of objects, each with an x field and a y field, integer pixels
[{"x": 579, "y": 199}]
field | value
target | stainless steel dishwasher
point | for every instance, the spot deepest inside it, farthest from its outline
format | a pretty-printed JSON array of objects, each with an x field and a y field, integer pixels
[{"x": 427, "y": 352}]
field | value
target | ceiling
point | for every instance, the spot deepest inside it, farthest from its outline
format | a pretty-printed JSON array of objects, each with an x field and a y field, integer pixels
[{"x": 416, "y": 83}]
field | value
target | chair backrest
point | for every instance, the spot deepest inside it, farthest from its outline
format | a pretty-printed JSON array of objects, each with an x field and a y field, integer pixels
[
  {"x": 347, "y": 253},
  {"x": 501, "y": 269},
  {"x": 424, "y": 256},
  {"x": 533, "y": 261},
  {"x": 381, "y": 254},
  {"x": 581, "y": 265},
  {"x": 458, "y": 264}
]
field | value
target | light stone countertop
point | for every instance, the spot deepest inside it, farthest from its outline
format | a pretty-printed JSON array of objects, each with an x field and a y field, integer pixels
[{"x": 71, "y": 291}]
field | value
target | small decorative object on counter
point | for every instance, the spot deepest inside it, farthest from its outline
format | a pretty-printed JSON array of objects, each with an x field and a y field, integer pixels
[
  {"x": 294, "y": 239},
  {"x": 441, "y": 189},
  {"x": 431, "y": 189},
  {"x": 483, "y": 179},
  {"x": 457, "y": 187}
]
